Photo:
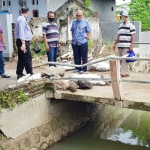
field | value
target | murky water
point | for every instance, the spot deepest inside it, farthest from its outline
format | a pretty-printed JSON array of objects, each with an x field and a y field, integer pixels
[{"x": 113, "y": 129}]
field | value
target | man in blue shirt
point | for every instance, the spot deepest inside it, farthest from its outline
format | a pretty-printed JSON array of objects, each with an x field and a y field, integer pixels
[
  {"x": 23, "y": 37},
  {"x": 81, "y": 31}
]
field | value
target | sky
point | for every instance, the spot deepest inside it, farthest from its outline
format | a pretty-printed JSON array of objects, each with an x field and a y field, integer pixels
[{"x": 118, "y": 2}]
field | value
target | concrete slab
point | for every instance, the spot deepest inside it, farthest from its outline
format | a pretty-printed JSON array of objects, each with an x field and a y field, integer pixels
[{"x": 135, "y": 95}]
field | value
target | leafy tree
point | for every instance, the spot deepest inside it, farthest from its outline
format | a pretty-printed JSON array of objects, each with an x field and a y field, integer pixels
[
  {"x": 87, "y": 3},
  {"x": 140, "y": 11},
  {"x": 142, "y": 133}
]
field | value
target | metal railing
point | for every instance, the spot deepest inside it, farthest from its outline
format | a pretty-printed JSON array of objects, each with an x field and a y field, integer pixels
[{"x": 114, "y": 79}]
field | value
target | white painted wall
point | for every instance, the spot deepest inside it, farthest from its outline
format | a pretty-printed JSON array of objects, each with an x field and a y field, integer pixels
[{"x": 6, "y": 22}]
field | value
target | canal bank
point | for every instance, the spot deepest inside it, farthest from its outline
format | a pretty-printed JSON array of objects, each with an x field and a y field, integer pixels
[
  {"x": 123, "y": 129},
  {"x": 41, "y": 122}
]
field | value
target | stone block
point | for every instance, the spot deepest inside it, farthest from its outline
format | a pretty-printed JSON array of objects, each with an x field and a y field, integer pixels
[
  {"x": 49, "y": 94},
  {"x": 35, "y": 139},
  {"x": 33, "y": 148},
  {"x": 64, "y": 133},
  {"x": 44, "y": 146},
  {"x": 46, "y": 132},
  {"x": 86, "y": 119},
  {"x": 118, "y": 104},
  {"x": 71, "y": 128},
  {"x": 56, "y": 137},
  {"x": 57, "y": 95}
]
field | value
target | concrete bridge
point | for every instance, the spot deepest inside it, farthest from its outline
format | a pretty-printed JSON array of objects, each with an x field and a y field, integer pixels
[
  {"x": 134, "y": 95},
  {"x": 131, "y": 92},
  {"x": 44, "y": 120}
]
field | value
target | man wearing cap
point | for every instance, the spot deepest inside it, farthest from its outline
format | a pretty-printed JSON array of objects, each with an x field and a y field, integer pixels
[
  {"x": 125, "y": 40},
  {"x": 23, "y": 37}
]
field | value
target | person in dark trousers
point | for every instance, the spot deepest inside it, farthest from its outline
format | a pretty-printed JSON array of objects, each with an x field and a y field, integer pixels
[
  {"x": 51, "y": 37},
  {"x": 23, "y": 37},
  {"x": 81, "y": 31},
  {"x": 2, "y": 60}
]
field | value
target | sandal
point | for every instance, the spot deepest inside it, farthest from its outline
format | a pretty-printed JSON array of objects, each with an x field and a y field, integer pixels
[{"x": 126, "y": 75}]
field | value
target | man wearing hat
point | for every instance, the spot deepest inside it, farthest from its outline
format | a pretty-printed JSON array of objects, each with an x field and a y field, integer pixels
[{"x": 125, "y": 41}]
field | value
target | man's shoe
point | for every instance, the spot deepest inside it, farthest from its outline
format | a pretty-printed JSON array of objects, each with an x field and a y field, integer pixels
[
  {"x": 5, "y": 76},
  {"x": 126, "y": 75},
  {"x": 76, "y": 71},
  {"x": 20, "y": 76},
  {"x": 81, "y": 72}
]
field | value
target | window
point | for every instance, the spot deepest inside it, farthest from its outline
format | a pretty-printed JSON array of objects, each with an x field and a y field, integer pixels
[
  {"x": 33, "y": 2},
  {"x": 22, "y": 3},
  {"x": 9, "y": 3},
  {"x": 112, "y": 8},
  {"x": 37, "y": 2},
  {"x": 35, "y": 13},
  {"x": 3, "y": 3}
]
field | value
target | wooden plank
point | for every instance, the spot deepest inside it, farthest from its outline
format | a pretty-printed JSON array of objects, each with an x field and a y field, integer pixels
[{"x": 115, "y": 79}]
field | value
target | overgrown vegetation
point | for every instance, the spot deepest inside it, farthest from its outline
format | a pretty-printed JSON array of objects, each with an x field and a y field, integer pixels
[
  {"x": 11, "y": 99},
  {"x": 87, "y": 3},
  {"x": 140, "y": 11},
  {"x": 42, "y": 46}
]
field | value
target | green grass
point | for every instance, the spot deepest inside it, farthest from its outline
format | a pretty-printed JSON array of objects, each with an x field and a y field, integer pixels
[{"x": 42, "y": 52}]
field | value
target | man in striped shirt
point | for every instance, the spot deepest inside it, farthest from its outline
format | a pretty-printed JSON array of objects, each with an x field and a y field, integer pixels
[
  {"x": 125, "y": 40},
  {"x": 51, "y": 37}
]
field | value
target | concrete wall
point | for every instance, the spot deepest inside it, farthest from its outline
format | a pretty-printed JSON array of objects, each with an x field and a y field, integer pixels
[
  {"x": 104, "y": 9},
  {"x": 54, "y": 5},
  {"x": 40, "y": 122},
  {"x": 6, "y": 22},
  {"x": 109, "y": 30}
]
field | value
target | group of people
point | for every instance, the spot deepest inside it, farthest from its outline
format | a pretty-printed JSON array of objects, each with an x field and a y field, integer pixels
[{"x": 81, "y": 32}]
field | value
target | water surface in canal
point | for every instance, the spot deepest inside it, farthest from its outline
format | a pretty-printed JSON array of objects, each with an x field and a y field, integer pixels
[{"x": 113, "y": 129}]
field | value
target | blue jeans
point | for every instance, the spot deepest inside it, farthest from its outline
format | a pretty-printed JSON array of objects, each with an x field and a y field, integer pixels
[
  {"x": 2, "y": 64},
  {"x": 52, "y": 54}
]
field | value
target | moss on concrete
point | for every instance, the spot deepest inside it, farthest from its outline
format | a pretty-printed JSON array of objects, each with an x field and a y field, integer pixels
[{"x": 139, "y": 106}]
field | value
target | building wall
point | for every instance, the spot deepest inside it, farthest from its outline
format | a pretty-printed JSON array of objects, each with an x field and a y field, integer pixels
[
  {"x": 109, "y": 30},
  {"x": 104, "y": 9},
  {"x": 101, "y": 6},
  {"x": 6, "y": 22},
  {"x": 15, "y": 7},
  {"x": 54, "y": 5}
]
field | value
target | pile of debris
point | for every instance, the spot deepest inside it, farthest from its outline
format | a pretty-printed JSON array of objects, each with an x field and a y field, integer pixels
[{"x": 73, "y": 81}]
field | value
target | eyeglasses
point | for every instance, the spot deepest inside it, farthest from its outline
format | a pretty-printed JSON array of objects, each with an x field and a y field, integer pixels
[{"x": 78, "y": 15}]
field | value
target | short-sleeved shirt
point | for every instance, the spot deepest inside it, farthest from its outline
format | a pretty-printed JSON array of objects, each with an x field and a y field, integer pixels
[
  {"x": 125, "y": 31},
  {"x": 80, "y": 29},
  {"x": 51, "y": 32},
  {"x": 1, "y": 46}
]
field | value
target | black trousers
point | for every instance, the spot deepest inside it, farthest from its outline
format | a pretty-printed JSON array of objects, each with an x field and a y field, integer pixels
[
  {"x": 80, "y": 53},
  {"x": 24, "y": 59}
]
